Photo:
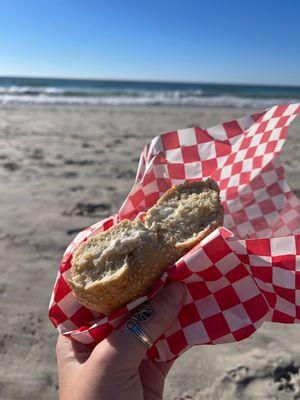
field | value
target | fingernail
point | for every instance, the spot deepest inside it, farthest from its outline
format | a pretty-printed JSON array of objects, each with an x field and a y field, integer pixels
[{"x": 176, "y": 293}]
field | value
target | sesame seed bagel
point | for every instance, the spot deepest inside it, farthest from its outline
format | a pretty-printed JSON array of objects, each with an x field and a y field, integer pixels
[{"x": 122, "y": 263}]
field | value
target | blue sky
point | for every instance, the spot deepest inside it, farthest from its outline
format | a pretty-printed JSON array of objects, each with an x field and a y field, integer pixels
[{"x": 208, "y": 41}]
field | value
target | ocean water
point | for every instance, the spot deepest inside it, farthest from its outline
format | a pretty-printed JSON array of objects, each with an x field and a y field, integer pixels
[{"x": 133, "y": 93}]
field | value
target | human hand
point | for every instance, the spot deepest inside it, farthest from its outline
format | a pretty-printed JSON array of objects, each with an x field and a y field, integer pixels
[{"x": 117, "y": 368}]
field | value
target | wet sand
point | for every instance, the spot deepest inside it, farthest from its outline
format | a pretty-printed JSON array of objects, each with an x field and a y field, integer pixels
[{"x": 64, "y": 168}]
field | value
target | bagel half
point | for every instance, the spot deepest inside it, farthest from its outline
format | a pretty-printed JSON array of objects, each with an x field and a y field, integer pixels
[{"x": 122, "y": 263}]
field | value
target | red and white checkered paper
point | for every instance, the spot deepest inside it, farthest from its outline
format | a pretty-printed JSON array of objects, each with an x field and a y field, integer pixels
[{"x": 242, "y": 274}]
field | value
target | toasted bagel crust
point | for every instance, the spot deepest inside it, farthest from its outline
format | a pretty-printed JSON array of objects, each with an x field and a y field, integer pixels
[{"x": 122, "y": 263}]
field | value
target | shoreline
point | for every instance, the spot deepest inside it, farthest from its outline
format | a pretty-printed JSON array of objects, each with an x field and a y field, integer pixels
[{"x": 238, "y": 106}]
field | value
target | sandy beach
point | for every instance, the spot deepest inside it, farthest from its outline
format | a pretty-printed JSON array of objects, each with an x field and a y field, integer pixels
[{"x": 63, "y": 168}]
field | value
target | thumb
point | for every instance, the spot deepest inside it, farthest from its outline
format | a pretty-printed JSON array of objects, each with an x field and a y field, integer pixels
[{"x": 166, "y": 306}]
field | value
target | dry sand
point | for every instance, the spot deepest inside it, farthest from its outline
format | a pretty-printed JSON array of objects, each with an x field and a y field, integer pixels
[{"x": 63, "y": 168}]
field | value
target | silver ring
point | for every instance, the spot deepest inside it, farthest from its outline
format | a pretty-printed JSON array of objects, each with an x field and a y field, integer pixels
[{"x": 142, "y": 314}]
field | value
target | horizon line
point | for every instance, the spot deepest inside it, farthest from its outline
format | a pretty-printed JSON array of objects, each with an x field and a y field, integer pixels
[{"x": 192, "y": 82}]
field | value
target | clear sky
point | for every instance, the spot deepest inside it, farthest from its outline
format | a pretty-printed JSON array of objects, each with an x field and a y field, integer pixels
[{"x": 254, "y": 41}]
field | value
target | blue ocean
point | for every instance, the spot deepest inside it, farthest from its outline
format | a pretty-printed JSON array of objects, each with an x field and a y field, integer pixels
[{"x": 134, "y": 93}]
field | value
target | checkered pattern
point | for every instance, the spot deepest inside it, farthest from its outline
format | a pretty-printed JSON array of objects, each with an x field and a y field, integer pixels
[
  {"x": 274, "y": 264},
  {"x": 236, "y": 279}
]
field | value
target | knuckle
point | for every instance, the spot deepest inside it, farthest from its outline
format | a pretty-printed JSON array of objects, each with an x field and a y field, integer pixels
[{"x": 161, "y": 312}]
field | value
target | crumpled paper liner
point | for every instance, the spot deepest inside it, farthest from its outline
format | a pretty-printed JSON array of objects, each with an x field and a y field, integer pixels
[{"x": 242, "y": 274}]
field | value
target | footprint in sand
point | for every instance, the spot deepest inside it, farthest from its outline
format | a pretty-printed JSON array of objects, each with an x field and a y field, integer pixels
[
  {"x": 135, "y": 159},
  {"x": 69, "y": 174},
  {"x": 79, "y": 162},
  {"x": 98, "y": 151},
  {"x": 126, "y": 174},
  {"x": 118, "y": 141},
  {"x": 11, "y": 166},
  {"x": 87, "y": 209},
  {"x": 275, "y": 380},
  {"x": 3, "y": 287},
  {"x": 37, "y": 154},
  {"x": 130, "y": 136},
  {"x": 76, "y": 188}
]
